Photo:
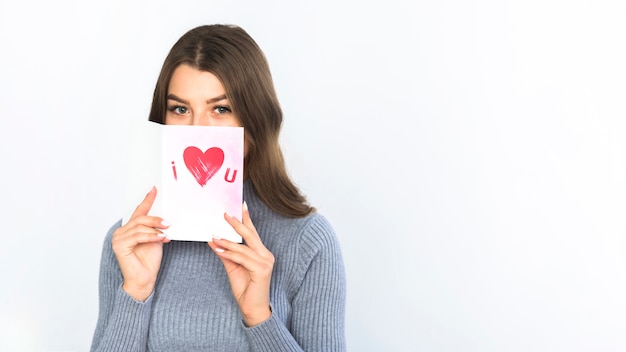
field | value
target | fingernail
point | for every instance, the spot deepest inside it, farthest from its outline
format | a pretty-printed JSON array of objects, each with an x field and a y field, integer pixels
[
  {"x": 217, "y": 238},
  {"x": 217, "y": 249},
  {"x": 245, "y": 205},
  {"x": 165, "y": 223},
  {"x": 161, "y": 235}
]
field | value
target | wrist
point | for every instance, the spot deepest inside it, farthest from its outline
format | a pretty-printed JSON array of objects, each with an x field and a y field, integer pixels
[
  {"x": 138, "y": 292},
  {"x": 258, "y": 317}
]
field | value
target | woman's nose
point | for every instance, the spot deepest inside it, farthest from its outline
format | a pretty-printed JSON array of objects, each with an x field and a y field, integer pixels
[{"x": 199, "y": 120}]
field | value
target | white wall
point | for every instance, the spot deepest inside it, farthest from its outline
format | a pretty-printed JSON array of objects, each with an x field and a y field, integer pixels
[{"x": 471, "y": 156}]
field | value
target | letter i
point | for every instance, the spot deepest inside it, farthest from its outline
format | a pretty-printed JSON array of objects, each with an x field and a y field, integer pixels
[{"x": 174, "y": 169}]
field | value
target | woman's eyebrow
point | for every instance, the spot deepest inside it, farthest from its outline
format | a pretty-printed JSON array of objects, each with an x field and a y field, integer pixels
[
  {"x": 216, "y": 99},
  {"x": 183, "y": 101},
  {"x": 174, "y": 97}
]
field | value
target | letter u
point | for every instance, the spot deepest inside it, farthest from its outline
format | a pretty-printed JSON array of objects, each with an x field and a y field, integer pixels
[{"x": 226, "y": 176}]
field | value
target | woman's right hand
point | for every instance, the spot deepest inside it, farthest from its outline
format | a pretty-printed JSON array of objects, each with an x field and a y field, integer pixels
[{"x": 138, "y": 246}]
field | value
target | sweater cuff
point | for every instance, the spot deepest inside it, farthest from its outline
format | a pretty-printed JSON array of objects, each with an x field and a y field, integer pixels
[
  {"x": 129, "y": 323},
  {"x": 135, "y": 314},
  {"x": 271, "y": 336}
]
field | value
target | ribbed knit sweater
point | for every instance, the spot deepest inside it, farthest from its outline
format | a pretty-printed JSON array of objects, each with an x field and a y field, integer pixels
[{"x": 192, "y": 307}]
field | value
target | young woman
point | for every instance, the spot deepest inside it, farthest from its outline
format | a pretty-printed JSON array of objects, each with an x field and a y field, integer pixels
[{"x": 283, "y": 288}]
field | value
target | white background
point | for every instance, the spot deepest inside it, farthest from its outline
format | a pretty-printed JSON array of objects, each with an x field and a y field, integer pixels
[{"x": 471, "y": 156}]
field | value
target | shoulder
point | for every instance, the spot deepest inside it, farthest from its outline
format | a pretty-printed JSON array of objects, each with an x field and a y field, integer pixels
[
  {"x": 109, "y": 234},
  {"x": 316, "y": 254},
  {"x": 318, "y": 240},
  {"x": 107, "y": 250},
  {"x": 316, "y": 233},
  {"x": 108, "y": 261},
  {"x": 306, "y": 235},
  {"x": 279, "y": 232},
  {"x": 315, "y": 243}
]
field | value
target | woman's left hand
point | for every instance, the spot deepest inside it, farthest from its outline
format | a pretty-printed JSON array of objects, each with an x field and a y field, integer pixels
[{"x": 249, "y": 268}]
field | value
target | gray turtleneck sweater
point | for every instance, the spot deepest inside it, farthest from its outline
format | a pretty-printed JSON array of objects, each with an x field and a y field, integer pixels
[{"x": 193, "y": 309}]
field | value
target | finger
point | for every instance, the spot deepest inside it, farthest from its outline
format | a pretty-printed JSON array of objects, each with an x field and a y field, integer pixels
[
  {"x": 226, "y": 245},
  {"x": 249, "y": 234},
  {"x": 138, "y": 228},
  {"x": 144, "y": 207},
  {"x": 218, "y": 251},
  {"x": 250, "y": 260},
  {"x": 138, "y": 237},
  {"x": 241, "y": 253},
  {"x": 125, "y": 246},
  {"x": 228, "y": 264},
  {"x": 245, "y": 217},
  {"x": 215, "y": 247},
  {"x": 146, "y": 220}
]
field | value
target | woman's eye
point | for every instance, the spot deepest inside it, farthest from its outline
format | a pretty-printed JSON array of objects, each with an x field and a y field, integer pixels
[
  {"x": 180, "y": 110},
  {"x": 221, "y": 109}
]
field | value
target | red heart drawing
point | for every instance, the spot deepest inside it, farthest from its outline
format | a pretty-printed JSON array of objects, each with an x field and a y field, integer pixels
[{"x": 203, "y": 165}]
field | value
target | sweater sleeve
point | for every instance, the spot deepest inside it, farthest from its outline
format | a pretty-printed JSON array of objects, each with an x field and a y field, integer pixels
[
  {"x": 318, "y": 320},
  {"x": 122, "y": 321}
]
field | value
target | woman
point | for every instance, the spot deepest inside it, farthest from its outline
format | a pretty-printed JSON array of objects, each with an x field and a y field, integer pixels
[{"x": 283, "y": 289}]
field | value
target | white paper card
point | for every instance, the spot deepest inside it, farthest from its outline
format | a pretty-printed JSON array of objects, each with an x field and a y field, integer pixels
[{"x": 198, "y": 173}]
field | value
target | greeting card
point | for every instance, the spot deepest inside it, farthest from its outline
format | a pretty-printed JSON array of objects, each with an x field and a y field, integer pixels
[{"x": 198, "y": 173}]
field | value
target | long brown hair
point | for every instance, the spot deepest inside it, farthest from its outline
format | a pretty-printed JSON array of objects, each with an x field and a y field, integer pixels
[{"x": 228, "y": 52}]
